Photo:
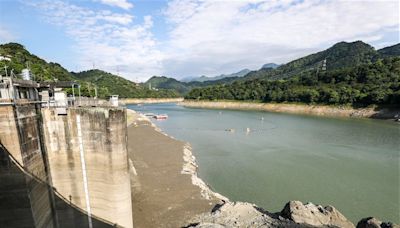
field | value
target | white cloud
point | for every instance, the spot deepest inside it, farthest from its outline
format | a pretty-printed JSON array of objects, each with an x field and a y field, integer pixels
[
  {"x": 111, "y": 41},
  {"x": 124, "y": 4},
  {"x": 211, "y": 37}
]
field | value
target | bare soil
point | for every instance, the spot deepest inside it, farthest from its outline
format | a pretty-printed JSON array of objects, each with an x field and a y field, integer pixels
[{"x": 161, "y": 195}]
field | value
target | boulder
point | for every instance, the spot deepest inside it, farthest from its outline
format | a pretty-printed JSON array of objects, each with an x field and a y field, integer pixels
[
  {"x": 239, "y": 214},
  {"x": 371, "y": 222},
  {"x": 314, "y": 215}
]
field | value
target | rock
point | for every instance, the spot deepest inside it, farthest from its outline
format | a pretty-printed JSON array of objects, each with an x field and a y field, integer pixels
[
  {"x": 371, "y": 222},
  {"x": 315, "y": 215},
  {"x": 239, "y": 214}
]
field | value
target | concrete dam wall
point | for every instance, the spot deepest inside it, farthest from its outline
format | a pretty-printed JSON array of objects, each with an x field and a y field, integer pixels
[
  {"x": 20, "y": 134},
  {"x": 66, "y": 170},
  {"x": 106, "y": 190}
]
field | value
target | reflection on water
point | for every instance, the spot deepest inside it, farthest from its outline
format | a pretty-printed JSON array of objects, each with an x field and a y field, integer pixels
[{"x": 352, "y": 164}]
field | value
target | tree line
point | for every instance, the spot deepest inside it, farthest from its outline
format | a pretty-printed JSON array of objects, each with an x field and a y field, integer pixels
[{"x": 374, "y": 83}]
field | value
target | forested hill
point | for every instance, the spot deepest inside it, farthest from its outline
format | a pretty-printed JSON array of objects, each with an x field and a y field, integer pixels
[
  {"x": 17, "y": 58},
  {"x": 390, "y": 51},
  {"x": 366, "y": 83},
  {"x": 21, "y": 58},
  {"x": 340, "y": 55},
  {"x": 162, "y": 82},
  {"x": 222, "y": 76}
]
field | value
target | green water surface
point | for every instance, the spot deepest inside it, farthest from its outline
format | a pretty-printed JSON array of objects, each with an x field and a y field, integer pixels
[{"x": 352, "y": 164}]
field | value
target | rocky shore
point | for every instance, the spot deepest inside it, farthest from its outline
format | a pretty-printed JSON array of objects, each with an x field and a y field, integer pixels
[
  {"x": 166, "y": 191},
  {"x": 319, "y": 110}
]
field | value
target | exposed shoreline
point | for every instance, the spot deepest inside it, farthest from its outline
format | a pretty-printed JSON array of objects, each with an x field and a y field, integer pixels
[
  {"x": 166, "y": 191},
  {"x": 211, "y": 208},
  {"x": 189, "y": 166},
  {"x": 317, "y": 110},
  {"x": 150, "y": 100}
]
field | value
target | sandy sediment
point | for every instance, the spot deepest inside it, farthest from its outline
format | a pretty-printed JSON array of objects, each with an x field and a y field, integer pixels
[
  {"x": 150, "y": 100},
  {"x": 166, "y": 191},
  {"x": 319, "y": 110}
]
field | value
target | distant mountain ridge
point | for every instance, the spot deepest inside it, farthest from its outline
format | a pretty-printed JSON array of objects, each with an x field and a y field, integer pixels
[
  {"x": 270, "y": 65},
  {"x": 163, "y": 82},
  {"x": 204, "y": 78}
]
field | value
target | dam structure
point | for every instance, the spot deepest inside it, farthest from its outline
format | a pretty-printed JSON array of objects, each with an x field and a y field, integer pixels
[{"x": 63, "y": 160}]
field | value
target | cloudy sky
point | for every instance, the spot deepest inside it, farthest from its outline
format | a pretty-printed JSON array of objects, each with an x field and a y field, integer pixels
[{"x": 180, "y": 38}]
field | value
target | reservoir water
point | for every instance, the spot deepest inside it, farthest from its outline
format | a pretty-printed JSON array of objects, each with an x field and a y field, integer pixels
[{"x": 352, "y": 164}]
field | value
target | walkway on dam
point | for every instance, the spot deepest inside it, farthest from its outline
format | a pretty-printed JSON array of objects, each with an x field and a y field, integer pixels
[{"x": 161, "y": 195}]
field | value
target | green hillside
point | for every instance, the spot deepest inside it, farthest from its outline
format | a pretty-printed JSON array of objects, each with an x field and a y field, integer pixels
[
  {"x": 162, "y": 82},
  {"x": 355, "y": 74},
  {"x": 109, "y": 84},
  {"x": 106, "y": 83},
  {"x": 340, "y": 55},
  {"x": 21, "y": 58},
  {"x": 390, "y": 51}
]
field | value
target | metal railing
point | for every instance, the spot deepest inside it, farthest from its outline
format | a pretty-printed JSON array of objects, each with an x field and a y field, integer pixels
[{"x": 79, "y": 102}]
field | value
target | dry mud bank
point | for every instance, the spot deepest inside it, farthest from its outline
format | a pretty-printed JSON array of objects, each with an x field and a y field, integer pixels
[
  {"x": 166, "y": 191},
  {"x": 318, "y": 110}
]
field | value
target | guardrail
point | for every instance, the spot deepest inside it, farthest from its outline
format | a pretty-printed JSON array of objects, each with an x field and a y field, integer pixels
[{"x": 69, "y": 102}]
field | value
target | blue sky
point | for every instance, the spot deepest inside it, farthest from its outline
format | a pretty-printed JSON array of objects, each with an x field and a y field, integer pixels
[{"x": 180, "y": 38}]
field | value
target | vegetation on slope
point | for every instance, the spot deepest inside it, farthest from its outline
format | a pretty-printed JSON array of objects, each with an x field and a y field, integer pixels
[
  {"x": 21, "y": 59},
  {"x": 222, "y": 76},
  {"x": 109, "y": 84},
  {"x": 162, "y": 82},
  {"x": 106, "y": 83},
  {"x": 390, "y": 51},
  {"x": 373, "y": 83},
  {"x": 340, "y": 55}
]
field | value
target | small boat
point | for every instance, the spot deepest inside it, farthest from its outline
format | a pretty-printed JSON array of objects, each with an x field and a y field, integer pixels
[
  {"x": 150, "y": 114},
  {"x": 230, "y": 130},
  {"x": 161, "y": 117}
]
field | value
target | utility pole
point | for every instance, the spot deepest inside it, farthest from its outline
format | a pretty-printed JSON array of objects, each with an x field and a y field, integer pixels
[
  {"x": 73, "y": 91},
  {"x": 324, "y": 65},
  {"x": 5, "y": 69}
]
